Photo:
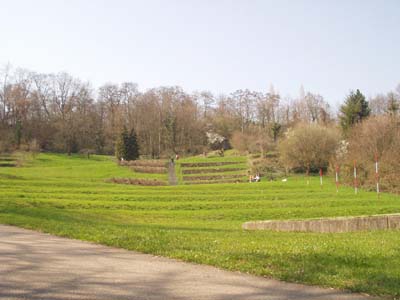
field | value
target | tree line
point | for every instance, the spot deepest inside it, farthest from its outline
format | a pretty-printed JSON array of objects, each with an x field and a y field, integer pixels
[
  {"x": 61, "y": 113},
  {"x": 368, "y": 136}
]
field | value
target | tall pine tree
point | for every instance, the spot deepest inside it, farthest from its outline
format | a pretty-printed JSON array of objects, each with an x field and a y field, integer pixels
[
  {"x": 131, "y": 146},
  {"x": 127, "y": 147},
  {"x": 18, "y": 133},
  {"x": 120, "y": 152},
  {"x": 353, "y": 110}
]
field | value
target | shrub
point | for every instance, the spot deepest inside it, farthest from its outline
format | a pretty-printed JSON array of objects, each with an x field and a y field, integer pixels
[
  {"x": 308, "y": 146},
  {"x": 270, "y": 167},
  {"x": 217, "y": 141},
  {"x": 375, "y": 136}
]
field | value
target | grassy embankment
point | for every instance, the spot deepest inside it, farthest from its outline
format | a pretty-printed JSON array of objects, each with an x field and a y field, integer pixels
[{"x": 67, "y": 196}]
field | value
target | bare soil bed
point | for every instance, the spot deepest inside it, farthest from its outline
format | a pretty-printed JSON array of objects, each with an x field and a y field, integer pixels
[
  {"x": 216, "y": 170},
  {"x": 212, "y": 177},
  {"x": 209, "y": 164},
  {"x": 137, "y": 181},
  {"x": 149, "y": 169}
]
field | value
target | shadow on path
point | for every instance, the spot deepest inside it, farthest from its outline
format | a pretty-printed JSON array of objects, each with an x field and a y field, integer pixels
[{"x": 40, "y": 266}]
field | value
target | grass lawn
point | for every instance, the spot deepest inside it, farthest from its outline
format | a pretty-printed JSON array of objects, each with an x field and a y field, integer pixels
[{"x": 67, "y": 196}]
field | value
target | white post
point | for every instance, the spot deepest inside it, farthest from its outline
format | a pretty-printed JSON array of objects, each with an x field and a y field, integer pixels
[
  {"x": 355, "y": 179},
  {"x": 337, "y": 179},
  {"x": 320, "y": 176},
  {"x": 377, "y": 173}
]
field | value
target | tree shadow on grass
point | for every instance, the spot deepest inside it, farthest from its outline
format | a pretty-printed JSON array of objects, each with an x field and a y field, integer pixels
[{"x": 358, "y": 273}]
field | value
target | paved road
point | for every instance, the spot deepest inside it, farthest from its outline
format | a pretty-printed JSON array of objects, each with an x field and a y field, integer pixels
[{"x": 40, "y": 266}]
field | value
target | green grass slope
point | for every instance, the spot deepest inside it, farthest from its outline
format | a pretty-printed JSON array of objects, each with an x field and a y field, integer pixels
[{"x": 67, "y": 196}]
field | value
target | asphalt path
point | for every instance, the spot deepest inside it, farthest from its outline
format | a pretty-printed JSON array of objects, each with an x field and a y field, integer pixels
[{"x": 35, "y": 265}]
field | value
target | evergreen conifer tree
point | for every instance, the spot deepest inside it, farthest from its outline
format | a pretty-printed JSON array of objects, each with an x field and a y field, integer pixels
[
  {"x": 131, "y": 146},
  {"x": 353, "y": 110},
  {"x": 18, "y": 133},
  {"x": 120, "y": 149},
  {"x": 127, "y": 147}
]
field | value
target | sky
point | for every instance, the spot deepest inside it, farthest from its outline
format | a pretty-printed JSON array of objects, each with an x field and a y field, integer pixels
[{"x": 328, "y": 47}]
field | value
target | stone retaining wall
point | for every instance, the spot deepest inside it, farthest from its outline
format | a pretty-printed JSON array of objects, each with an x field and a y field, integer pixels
[{"x": 342, "y": 224}]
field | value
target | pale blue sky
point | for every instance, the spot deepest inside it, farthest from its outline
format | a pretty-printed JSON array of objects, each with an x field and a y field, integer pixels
[{"x": 330, "y": 47}]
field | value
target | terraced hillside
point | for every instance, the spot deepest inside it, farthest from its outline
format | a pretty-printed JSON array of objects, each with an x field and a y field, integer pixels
[
  {"x": 213, "y": 169},
  {"x": 144, "y": 172},
  {"x": 68, "y": 196},
  {"x": 8, "y": 160}
]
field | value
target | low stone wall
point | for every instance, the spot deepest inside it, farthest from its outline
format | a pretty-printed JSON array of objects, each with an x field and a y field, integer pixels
[{"x": 342, "y": 224}]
